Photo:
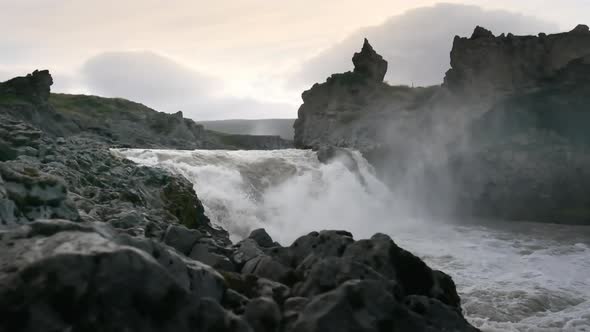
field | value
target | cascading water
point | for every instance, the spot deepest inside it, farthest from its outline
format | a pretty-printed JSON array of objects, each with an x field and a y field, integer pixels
[{"x": 511, "y": 276}]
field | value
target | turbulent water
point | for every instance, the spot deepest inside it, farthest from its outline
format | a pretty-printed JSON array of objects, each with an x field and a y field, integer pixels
[{"x": 511, "y": 276}]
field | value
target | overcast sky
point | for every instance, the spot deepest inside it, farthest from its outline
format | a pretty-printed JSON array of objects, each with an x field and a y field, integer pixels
[{"x": 246, "y": 58}]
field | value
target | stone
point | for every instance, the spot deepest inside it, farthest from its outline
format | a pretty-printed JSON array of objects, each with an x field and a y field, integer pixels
[
  {"x": 329, "y": 273},
  {"x": 267, "y": 267},
  {"x": 50, "y": 284},
  {"x": 35, "y": 86},
  {"x": 246, "y": 250},
  {"x": 235, "y": 301},
  {"x": 292, "y": 309},
  {"x": 199, "y": 279},
  {"x": 369, "y": 64},
  {"x": 354, "y": 306},
  {"x": 370, "y": 306},
  {"x": 427, "y": 312},
  {"x": 201, "y": 253},
  {"x": 252, "y": 286},
  {"x": 181, "y": 238},
  {"x": 319, "y": 245},
  {"x": 179, "y": 199},
  {"x": 262, "y": 238},
  {"x": 212, "y": 317},
  {"x": 410, "y": 272},
  {"x": 272, "y": 289},
  {"x": 127, "y": 219},
  {"x": 263, "y": 315},
  {"x": 34, "y": 194},
  {"x": 295, "y": 304}
]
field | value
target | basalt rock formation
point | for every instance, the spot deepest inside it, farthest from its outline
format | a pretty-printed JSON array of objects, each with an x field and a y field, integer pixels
[
  {"x": 503, "y": 137},
  {"x": 90, "y": 241},
  {"x": 489, "y": 65}
]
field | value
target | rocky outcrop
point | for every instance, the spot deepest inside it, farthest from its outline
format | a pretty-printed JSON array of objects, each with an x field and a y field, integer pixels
[
  {"x": 34, "y": 87},
  {"x": 60, "y": 275},
  {"x": 78, "y": 178},
  {"x": 503, "y": 137},
  {"x": 57, "y": 275},
  {"x": 355, "y": 109},
  {"x": 487, "y": 65},
  {"x": 369, "y": 64}
]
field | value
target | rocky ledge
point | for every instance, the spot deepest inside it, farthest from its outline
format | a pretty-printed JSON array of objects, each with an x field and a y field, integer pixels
[
  {"x": 93, "y": 242},
  {"x": 503, "y": 137}
]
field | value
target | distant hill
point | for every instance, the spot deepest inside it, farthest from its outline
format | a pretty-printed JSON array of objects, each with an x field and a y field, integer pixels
[
  {"x": 114, "y": 121},
  {"x": 280, "y": 127}
]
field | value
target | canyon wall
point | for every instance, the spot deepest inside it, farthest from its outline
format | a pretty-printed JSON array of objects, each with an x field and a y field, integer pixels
[{"x": 505, "y": 135}]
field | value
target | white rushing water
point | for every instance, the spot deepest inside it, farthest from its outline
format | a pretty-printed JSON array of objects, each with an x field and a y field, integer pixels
[{"x": 511, "y": 276}]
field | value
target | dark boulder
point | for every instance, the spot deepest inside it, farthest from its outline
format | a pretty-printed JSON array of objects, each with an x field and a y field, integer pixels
[
  {"x": 262, "y": 238},
  {"x": 371, "y": 306},
  {"x": 263, "y": 315},
  {"x": 181, "y": 238},
  {"x": 84, "y": 282}
]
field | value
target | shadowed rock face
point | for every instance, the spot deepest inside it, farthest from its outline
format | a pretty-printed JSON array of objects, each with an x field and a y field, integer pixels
[
  {"x": 503, "y": 137},
  {"x": 489, "y": 65},
  {"x": 369, "y": 64},
  {"x": 35, "y": 87}
]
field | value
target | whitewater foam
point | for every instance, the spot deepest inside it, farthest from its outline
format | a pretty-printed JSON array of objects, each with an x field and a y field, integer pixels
[{"x": 511, "y": 276}]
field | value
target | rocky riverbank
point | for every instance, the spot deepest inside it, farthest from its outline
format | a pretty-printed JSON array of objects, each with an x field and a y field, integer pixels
[
  {"x": 502, "y": 137},
  {"x": 93, "y": 242}
]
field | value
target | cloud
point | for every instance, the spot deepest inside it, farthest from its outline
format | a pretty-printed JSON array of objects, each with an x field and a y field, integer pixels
[
  {"x": 417, "y": 43},
  {"x": 144, "y": 76},
  {"x": 166, "y": 85}
]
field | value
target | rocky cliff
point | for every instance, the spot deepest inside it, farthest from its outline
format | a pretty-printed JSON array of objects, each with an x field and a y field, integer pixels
[
  {"x": 488, "y": 65},
  {"x": 503, "y": 137}
]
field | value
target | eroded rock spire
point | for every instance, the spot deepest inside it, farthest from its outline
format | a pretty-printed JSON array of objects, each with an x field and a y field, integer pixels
[{"x": 369, "y": 63}]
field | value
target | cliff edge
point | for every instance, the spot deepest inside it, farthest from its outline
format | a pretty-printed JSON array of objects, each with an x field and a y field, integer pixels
[{"x": 503, "y": 137}]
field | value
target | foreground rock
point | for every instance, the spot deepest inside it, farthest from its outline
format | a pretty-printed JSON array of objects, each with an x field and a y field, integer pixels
[
  {"x": 503, "y": 137},
  {"x": 56, "y": 276},
  {"x": 62, "y": 275}
]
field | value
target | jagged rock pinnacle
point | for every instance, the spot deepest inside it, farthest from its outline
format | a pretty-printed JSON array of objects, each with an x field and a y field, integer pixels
[
  {"x": 581, "y": 28},
  {"x": 481, "y": 32},
  {"x": 369, "y": 63}
]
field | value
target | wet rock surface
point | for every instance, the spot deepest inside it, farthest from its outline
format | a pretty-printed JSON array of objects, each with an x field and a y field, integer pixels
[{"x": 90, "y": 276}]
